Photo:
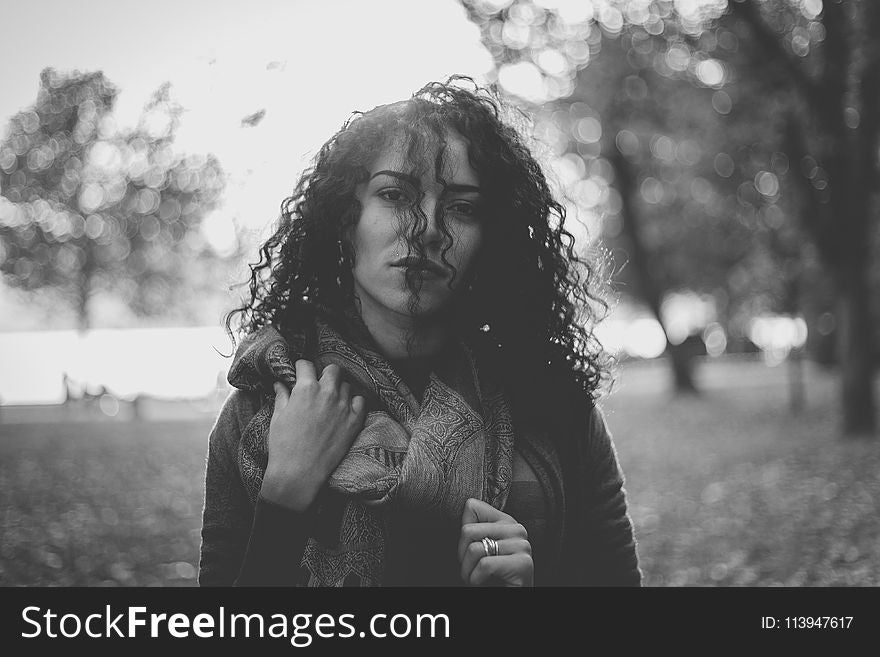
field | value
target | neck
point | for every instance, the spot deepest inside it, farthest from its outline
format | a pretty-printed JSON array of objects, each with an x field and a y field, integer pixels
[{"x": 403, "y": 336}]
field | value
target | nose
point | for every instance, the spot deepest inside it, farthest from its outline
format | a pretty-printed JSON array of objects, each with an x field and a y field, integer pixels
[{"x": 432, "y": 235}]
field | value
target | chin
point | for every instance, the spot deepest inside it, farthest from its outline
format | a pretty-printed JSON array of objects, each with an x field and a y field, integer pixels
[
  {"x": 433, "y": 310},
  {"x": 428, "y": 306}
]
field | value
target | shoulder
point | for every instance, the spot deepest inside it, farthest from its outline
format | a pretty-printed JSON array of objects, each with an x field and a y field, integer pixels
[
  {"x": 583, "y": 425},
  {"x": 597, "y": 425},
  {"x": 573, "y": 404}
]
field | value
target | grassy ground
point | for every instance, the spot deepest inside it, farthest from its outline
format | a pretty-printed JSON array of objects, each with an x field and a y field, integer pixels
[
  {"x": 732, "y": 489},
  {"x": 91, "y": 503},
  {"x": 725, "y": 489}
]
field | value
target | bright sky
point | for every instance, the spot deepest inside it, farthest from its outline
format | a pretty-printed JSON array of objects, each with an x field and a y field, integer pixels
[{"x": 309, "y": 63}]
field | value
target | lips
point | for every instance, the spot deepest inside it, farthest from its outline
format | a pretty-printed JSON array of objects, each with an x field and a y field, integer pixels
[{"x": 425, "y": 265}]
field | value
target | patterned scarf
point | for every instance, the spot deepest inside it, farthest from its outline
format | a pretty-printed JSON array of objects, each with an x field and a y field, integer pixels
[{"x": 430, "y": 455}]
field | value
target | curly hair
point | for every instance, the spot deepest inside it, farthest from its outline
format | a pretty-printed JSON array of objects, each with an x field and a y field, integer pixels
[{"x": 533, "y": 302}]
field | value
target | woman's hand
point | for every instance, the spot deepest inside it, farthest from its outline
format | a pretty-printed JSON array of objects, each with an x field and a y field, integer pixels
[
  {"x": 512, "y": 566},
  {"x": 310, "y": 432}
]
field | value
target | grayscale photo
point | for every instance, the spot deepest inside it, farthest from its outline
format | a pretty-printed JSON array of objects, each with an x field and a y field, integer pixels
[{"x": 448, "y": 293}]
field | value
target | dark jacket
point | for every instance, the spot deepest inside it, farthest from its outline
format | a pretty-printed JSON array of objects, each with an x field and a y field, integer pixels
[{"x": 247, "y": 544}]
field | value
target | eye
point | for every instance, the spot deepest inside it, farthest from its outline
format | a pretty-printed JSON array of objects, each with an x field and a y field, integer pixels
[
  {"x": 392, "y": 195},
  {"x": 464, "y": 208}
]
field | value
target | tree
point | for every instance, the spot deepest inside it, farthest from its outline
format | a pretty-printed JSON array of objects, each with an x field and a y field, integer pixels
[
  {"x": 811, "y": 78},
  {"x": 88, "y": 208},
  {"x": 627, "y": 119},
  {"x": 827, "y": 56}
]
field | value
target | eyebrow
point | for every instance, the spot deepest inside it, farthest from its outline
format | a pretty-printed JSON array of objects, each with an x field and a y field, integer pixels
[{"x": 412, "y": 180}]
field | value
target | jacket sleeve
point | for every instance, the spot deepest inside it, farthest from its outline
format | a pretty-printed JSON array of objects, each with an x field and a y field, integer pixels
[
  {"x": 275, "y": 546},
  {"x": 243, "y": 544},
  {"x": 609, "y": 556}
]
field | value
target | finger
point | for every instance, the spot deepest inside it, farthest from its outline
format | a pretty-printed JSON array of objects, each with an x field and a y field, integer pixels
[
  {"x": 331, "y": 376},
  {"x": 345, "y": 391},
  {"x": 471, "y": 556},
  {"x": 508, "y": 546},
  {"x": 473, "y": 553},
  {"x": 359, "y": 407},
  {"x": 479, "y": 511},
  {"x": 476, "y": 551},
  {"x": 281, "y": 397},
  {"x": 498, "y": 530},
  {"x": 305, "y": 371},
  {"x": 512, "y": 570}
]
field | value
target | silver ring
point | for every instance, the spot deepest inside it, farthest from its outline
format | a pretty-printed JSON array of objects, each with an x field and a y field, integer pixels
[{"x": 490, "y": 546}]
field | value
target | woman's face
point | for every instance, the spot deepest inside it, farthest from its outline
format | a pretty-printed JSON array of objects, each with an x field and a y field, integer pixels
[{"x": 379, "y": 238}]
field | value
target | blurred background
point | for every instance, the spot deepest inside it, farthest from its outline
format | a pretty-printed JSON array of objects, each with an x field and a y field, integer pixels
[{"x": 720, "y": 155}]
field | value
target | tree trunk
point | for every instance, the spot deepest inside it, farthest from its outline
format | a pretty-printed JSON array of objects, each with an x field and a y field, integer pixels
[
  {"x": 83, "y": 287},
  {"x": 82, "y": 305},
  {"x": 682, "y": 368},
  {"x": 796, "y": 388},
  {"x": 853, "y": 182},
  {"x": 680, "y": 360},
  {"x": 856, "y": 351}
]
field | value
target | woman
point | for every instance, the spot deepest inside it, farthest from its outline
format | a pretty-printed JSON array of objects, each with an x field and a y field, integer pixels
[{"x": 414, "y": 396}]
